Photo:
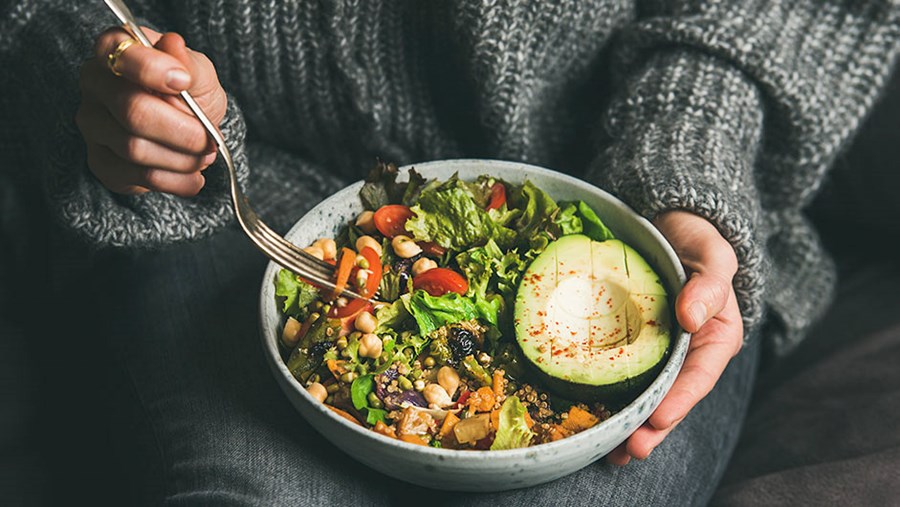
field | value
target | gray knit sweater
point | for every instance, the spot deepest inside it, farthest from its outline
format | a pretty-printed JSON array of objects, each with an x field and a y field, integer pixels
[{"x": 731, "y": 109}]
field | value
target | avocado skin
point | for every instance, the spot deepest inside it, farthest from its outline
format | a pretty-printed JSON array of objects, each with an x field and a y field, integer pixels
[{"x": 613, "y": 396}]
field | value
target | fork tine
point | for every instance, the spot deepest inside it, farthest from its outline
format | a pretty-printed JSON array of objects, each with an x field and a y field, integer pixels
[
  {"x": 281, "y": 247},
  {"x": 286, "y": 257},
  {"x": 265, "y": 229}
]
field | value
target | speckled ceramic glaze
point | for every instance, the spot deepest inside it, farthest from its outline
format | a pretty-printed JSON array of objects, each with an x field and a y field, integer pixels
[{"x": 480, "y": 470}]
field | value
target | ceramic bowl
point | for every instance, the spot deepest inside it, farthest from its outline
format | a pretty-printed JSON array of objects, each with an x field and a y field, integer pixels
[{"x": 480, "y": 470}]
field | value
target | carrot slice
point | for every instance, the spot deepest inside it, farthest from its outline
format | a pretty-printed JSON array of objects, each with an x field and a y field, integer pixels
[
  {"x": 357, "y": 305},
  {"x": 579, "y": 420},
  {"x": 448, "y": 424},
  {"x": 413, "y": 439},
  {"x": 342, "y": 274},
  {"x": 343, "y": 413}
]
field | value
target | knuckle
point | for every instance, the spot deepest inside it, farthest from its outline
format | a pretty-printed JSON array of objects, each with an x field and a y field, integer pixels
[
  {"x": 135, "y": 149},
  {"x": 154, "y": 178},
  {"x": 194, "y": 136}
]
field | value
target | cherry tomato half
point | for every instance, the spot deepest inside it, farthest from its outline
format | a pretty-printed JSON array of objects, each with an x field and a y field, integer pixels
[
  {"x": 440, "y": 281},
  {"x": 391, "y": 219},
  {"x": 498, "y": 196}
]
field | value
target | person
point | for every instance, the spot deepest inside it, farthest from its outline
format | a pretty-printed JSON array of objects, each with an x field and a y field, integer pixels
[{"x": 717, "y": 120}]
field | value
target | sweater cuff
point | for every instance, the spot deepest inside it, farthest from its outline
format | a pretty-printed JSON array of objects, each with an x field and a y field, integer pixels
[
  {"x": 684, "y": 136},
  {"x": 106, "y": 219}
]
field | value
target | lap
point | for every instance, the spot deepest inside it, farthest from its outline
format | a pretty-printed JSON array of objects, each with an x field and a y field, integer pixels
[{"x": 182, "y": 323}]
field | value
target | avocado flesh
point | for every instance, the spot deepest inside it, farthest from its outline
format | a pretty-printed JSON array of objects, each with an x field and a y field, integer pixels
[{"x": 593, "y": 319}]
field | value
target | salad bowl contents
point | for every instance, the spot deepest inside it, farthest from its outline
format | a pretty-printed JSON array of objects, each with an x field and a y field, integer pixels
[{"x": 514, "y": 327}]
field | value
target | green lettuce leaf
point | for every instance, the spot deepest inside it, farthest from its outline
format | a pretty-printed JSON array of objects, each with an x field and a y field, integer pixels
[
  {"x": 513, "y": 431},
  {"x": 297, "y": 294},
  {"x": 391, "y": 318},
  {"x": 537, "y": 208},
  {"x": 433, "y": 312},
  {"x": 488, "y": 308},
  {"x": 477, "y": 264},
  {"x": 567, "y": 219},
  {"x": 449, "y": 216},
  {"x": 576, "y": 217},
  {"x": 488, "y": 263},
  {"x": 508, "y": 270},
  {"x": 382, "y": 188},
  {"x": 593, "y": 226}
]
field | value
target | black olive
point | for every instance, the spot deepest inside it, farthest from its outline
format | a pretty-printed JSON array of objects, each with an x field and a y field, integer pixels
[
  {"x": 462, "y": 343},
  {"x": 319, "y": 349}
]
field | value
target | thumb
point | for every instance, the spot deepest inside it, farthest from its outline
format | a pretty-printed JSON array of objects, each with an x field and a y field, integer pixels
[
  {"x": 702, "y": 297},
  {"x": 174, "y": 44},
  {"x": 710, "y": 261}
]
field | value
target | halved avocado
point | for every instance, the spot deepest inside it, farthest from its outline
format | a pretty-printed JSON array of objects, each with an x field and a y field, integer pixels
[{"x": 593, "y": 319}]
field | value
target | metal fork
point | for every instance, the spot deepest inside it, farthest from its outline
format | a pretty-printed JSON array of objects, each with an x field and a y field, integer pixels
[{"x": 268, "y": 241}]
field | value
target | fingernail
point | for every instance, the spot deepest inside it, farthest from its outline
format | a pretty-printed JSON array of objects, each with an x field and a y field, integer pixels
[
  {"x": 698, "y": 312},
  {"x": 178, "y": 80},
  {"x": 209, "y": 159}
]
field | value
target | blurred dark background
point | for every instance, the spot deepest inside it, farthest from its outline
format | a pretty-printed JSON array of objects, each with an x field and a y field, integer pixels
[{"x": 62, "y": 394}]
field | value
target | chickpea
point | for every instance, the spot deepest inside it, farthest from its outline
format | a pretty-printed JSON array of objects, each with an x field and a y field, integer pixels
[
  {"x": 370, "y": 345},
  {"x": 366, "y": 322},
  {"x": 422, "y": 265},
  {"x": 368, "y": 241},
  {"x": 362, "y": 277},
  {"x": 316, "y": 252},
  {"x": 405, "y": 247},
  {"x": 328, "y": 246},
  {"x": 366, "y": 222},
  {"x": 436, "y": 395},
  {"x": 448, "y": 379},
  {"x": 291, "y": 332},
  {"x": 317, "y": 391},
  {"x": 419, "y": 385}
]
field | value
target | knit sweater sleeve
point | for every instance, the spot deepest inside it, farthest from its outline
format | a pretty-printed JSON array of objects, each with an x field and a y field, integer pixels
[
  {"x": 734, "y": 110},
  {"x": 42, "y": 46}
]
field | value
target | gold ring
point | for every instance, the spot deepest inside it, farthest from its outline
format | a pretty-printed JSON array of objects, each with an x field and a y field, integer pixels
[{"x": 113, "y": 58}]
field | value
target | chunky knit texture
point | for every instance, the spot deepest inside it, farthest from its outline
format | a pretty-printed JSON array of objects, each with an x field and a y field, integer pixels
[{"x": 731, "y": 109}]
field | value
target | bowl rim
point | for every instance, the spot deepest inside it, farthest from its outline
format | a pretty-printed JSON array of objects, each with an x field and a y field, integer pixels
[{"x": 676, "y": 354}]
